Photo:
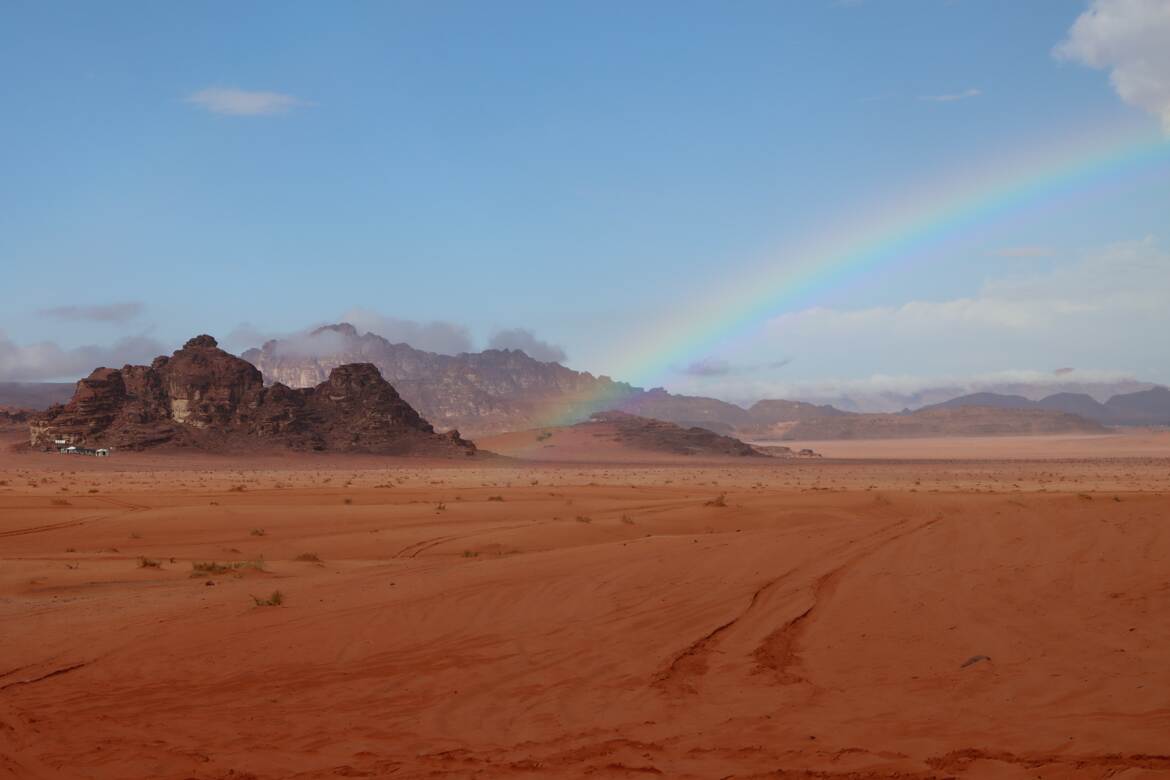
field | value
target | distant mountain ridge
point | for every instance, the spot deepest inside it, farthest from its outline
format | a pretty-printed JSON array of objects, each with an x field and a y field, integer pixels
[
  {"x": 497, "y": 391},
  {"x": 943, "y": 421},
  {"x": 1144, "y": 407}
]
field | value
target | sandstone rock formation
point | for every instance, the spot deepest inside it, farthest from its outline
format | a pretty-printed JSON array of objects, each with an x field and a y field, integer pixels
[{"x": 204, "y": 397}]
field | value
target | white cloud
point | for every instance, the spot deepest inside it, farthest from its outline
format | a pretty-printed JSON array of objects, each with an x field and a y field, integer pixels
[
  {"x": 447, "y": 338},
  {"x": 46, "y": 360},
  {"x": 103, "y": 312},
  {"x": 242, "y": 102},
  {"x": 527, "y": 342},
  {"x": 1130, "y": 39},
  {"x": 952, "y": 97}
]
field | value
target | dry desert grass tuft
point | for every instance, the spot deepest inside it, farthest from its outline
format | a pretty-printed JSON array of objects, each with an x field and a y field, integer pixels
[{"x": 275, "y": 599}]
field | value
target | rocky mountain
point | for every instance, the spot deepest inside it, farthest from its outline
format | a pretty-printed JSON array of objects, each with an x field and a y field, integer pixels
[
  {"x": 942, "y": 421},
  {"x": 484, "y": 392},
  {"x": 1144, "y": 407},
  {"x": 203, "y": 397}
]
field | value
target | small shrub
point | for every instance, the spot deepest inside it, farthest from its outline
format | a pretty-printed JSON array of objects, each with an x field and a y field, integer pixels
[
  {"x": 584, "y": 519},
  {"x": 347, "y": 501},
  {"x": 308, "y": 558},
  {"x": 495, "y": 498},
  {"x": 205, "y": 568},
  {"x": 148, "y": 563},
  {"x": 627, "y": 520},
  {"x": 237, "y": 489},
  {"x": 470, "y": 554},
  {"x": 275, "y": 599},
  {"x": 59, "y": 502},
  {"x": 258, "y": 532},
  {"x": 720, "y": 500}
]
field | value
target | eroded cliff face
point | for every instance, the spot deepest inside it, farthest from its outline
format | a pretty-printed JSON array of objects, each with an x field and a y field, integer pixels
[{"x": 204, "y": 397}]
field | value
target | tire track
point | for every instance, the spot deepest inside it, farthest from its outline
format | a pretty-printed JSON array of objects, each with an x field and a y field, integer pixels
[
  {"x": 413, "y": 550},
  {"x": 777, "y": 652},
  {"x": 126, "y": 508}
]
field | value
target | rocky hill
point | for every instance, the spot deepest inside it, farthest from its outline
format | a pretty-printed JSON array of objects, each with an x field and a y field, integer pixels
[
  {"x": 935, "y": 422},
  {"x": 619, "y": 437},
  {"x": 643, "y": 433},
  {"x": 10, "y": 417},
  {"x": 201, "y": 396}
]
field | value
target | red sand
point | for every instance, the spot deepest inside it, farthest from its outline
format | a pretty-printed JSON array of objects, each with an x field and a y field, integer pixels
[{"x": 861, "y": 619}]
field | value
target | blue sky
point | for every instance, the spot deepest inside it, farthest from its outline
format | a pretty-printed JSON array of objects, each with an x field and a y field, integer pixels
[{"x": 581, "y": 171}]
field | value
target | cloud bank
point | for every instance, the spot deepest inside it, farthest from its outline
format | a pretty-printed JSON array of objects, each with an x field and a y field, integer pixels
[
  {"x": 109, "y": 312},
  {"x": 233, "y": 101},
  {"x": 45, "y": 360},
  {"x": 1130, "y": 39},
  {"x": 447, "y": 338},
  {"x": 527, "y": 342}
]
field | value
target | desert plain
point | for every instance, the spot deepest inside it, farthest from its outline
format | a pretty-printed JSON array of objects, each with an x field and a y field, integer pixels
[{"x": 909, "y": 609}]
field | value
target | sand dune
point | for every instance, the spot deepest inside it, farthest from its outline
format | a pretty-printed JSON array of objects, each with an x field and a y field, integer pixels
[{"x": 754, "y": 618}]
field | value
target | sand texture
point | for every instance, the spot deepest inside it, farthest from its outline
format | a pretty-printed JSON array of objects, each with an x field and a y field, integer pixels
[{"x": 751, "y": 617}]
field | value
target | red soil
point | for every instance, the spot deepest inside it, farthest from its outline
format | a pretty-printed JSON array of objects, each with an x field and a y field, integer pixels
[{"x": 862, "y": 619}]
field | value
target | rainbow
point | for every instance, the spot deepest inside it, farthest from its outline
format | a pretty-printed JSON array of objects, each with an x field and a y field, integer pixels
[{"x": 846, "y": 251}]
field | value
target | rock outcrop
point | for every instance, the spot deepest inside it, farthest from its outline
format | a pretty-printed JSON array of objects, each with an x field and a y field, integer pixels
[
  {"x": 644, "y": 433},
  {"x": 10, "y": 416},
  {"x": 201, "y": 396}
]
